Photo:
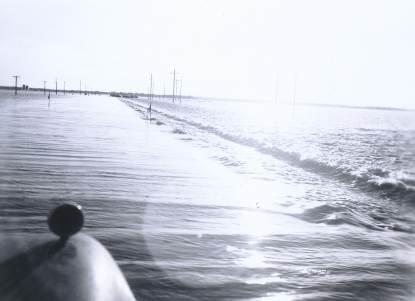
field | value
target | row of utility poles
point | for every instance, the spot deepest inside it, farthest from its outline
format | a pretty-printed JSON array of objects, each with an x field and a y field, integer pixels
[
  {"x": 16, "y": 77},
  {"x": 176, "y": 88}
]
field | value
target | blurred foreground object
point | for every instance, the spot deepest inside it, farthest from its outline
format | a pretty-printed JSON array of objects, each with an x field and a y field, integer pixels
[
  {"x": 66, "y": 220},
  {"x": 74, "y": 266}
]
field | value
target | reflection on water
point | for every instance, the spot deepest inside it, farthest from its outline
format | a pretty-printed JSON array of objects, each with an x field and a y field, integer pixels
[{"x": 206, "y": 215}]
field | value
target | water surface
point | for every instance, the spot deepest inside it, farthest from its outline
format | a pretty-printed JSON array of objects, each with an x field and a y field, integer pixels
[{"x": 217, "y": 200}]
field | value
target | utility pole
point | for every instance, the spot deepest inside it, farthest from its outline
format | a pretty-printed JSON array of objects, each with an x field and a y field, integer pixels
[
  {"x": 15, "y": 83},
  {"x": 276, "y": 90},
  {"x": 151, "y": 94},
  {"x": 151, "y": 87},
  {"x": 174, "y": 83},
  {"x": 180, "y": 90},
  {"x": 56, "y": 86},
  {"x": 164, "y": 91},
  {"x": 64, "y": 88},
  {"x": 295, "y": 91},
  {"x": 150, "y": 90},
  {"x": 44, "y": 87},
  {"x": 80, "y": 87}
]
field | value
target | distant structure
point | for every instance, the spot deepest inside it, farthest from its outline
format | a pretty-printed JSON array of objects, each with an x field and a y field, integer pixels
[
  {"x": 44, "y": 87},
  {"x": 15, "y": 83},
  {"x": 64, "y": 88},
  {"x": 294, "y": 92},
  {"x": 151, "y": 93},
  {"x": 276, "y": 89},
  {"x": 180, "y": 90},
  {"x": 174, "y": 84},
  {"x": 151, "y": 89}
]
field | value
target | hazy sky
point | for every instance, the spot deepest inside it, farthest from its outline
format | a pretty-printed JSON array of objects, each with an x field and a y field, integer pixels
[{"x": 355, "y": 52}]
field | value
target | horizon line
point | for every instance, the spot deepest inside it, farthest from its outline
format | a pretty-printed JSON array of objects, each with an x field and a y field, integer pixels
[{"x": 37, "y": 89}]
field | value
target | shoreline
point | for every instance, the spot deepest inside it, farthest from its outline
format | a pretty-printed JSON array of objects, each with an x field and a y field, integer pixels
[{"x": 199, "y": 98}]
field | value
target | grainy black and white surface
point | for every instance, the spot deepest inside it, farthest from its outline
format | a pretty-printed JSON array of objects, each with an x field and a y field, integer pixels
[{"x": 209, "y": 204}]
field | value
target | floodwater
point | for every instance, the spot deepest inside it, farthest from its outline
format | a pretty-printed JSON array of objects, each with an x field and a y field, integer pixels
[{"x": 215, "y": 200}]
